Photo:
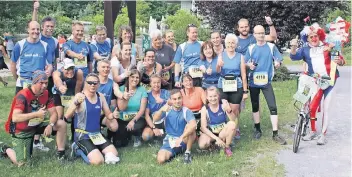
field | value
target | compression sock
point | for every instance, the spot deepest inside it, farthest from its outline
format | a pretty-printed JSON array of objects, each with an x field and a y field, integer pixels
[
  {"x": 275, "y": 132},
  {"x": 257, "y": 127}
]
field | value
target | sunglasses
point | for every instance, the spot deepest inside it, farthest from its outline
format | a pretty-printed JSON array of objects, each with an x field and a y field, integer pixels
[
  {"x": 92, "y": 82},
  {"x": 191, "y": 25}
]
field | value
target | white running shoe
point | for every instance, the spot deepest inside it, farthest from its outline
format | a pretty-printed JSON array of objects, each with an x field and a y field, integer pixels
[
  {"x": 310, "y": 136},
  {"x": 111, "y": 159},
  {"x": 40, "y": 146},
  {"x": 321, "y": 140}
]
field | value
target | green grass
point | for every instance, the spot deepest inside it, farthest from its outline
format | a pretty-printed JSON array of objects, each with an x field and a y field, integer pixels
[{"x": 251, "y": 157}]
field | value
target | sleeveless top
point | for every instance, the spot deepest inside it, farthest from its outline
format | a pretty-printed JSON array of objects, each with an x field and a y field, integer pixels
[
  {"x": 215, "y": 118},
  {"x": 89, "y": 119}
]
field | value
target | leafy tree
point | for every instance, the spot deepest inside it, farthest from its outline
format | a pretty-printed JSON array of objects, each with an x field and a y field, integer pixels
[
  {"x": 287, "y": 15},
  {"x": 178, "y": 23}
]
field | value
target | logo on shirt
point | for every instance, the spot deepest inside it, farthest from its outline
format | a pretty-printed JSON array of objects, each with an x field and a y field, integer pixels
[
  {"x": 97, "y": 107},
  {"x": 220, "y": 113},
  {"x": 32, "y": 55}
]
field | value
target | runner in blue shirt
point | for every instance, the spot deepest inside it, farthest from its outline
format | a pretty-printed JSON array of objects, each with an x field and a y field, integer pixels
[
  {"x": 187, "y": 57},
  {"x": 87, "y": 107},
  {"x": 207, "y": 65},
  {"x": 261, "y": 59},
  {"x": 101, "y": 47},
  {"x": 233, "y": 81},
  {"x": 78, "y": 50},
  {"x": 157, "y": 98},
  {"x": 180, "y": 128},
  {"x": 30, "y": 54}
]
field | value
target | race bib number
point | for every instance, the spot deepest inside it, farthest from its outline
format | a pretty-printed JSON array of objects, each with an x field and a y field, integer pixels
[
  {"x": 229, "y": 85},
  {"x": 260, "y": 78},
  {"x": 97, "y": 138},
  {"x": 306, "y": 88},
  {"x": 65, "y": 100},
  {"x": 128, "y": 116},
  {"x": 146, "y": 86},
  {"x": 195, "y": 72},
  {"x": 34, "y": 122},
  {"x": 166, "y": 75},
  {"x": 217, "y": 128},
  {"x": 172, "y": 141},
  {"x": 80, "y": 63}
]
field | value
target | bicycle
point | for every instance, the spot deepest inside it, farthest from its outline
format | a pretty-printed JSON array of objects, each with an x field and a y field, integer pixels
[{"x": 307, "y": 87}]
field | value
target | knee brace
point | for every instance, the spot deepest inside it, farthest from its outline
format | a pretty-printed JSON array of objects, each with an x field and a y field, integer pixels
[{"x": 255, "y": 107}]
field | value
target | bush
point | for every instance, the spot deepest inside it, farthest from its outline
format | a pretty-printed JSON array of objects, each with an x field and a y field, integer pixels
[
  {"x": 178, "y": 23},
  {"x": 282, "y": 74}
]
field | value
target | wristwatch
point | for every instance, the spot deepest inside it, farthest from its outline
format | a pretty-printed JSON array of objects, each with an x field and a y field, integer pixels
[
  {"x": 246, "y": 91},
  {"x": 153, "y": 127},
  {"x": 52, "y": 124}
]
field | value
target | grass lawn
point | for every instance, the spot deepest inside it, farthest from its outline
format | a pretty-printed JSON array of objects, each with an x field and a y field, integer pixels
[{"x": 251, "y": 157}]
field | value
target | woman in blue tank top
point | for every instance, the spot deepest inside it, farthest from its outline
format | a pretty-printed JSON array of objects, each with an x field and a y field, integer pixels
[
  {"x": 233, "y": 81},
  {"x": 218, "y": 122},
  {"x": 207, "y": 64}
]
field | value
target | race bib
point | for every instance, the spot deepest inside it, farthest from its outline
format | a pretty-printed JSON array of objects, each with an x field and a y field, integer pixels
[
  {"x": 172, "y": 141},
  {"x": 260, "y": 78},
  {"x": 195, "y": 72},
  {"x": 128, "y": 116},
  {"x": 229, "y": 85},
  {"x": 306, "y": 88},
  {"x": 80, "y": 63},
  {"x": 146, "y": 86},
  {"x": 97, "y": 138},
  {"x": 166, "y": 75},
  {"x": 65, "y": 100},
  {"x": 217, "y": 128},
  {"x": 34, "y": 122}
]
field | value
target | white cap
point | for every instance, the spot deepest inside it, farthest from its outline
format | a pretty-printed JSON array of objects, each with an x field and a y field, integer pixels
[{"x": 68, "y": 63}]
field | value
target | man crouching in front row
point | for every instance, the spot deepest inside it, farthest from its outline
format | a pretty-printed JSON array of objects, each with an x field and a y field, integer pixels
[{"x": 180, "y": 128}]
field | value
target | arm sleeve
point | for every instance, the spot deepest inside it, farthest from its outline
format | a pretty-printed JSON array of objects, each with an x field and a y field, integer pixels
[
  {"x": 178, "y": 55},
  {"x": 189, "y": 115},
  {"x": 20, "y": 102},
  {"x": 49, "y": 54},
  {"x": 277, "y": 54},
  {"x": 66, "y": 47},
  {"x": 16, "y": 53},
  {"x": 247, "y": 57},
  {"x": 298, "y": 55}
]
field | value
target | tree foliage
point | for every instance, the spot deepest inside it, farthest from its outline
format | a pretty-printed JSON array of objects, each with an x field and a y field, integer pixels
[
  {"x": 178, "y": 23},
  {"x": 287, "y": 15}
]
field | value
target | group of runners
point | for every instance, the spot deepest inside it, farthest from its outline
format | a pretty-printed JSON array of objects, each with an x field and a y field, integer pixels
[{"x": 179, "y": 94}]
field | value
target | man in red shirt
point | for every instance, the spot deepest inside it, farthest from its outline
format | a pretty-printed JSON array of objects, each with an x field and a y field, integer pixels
[{"x": 29, "y": 116}]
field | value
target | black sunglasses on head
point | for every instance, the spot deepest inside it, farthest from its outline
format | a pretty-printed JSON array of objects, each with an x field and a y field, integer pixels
[
  {"x": 92, "y": 82},
  {"x": 191, "y": 25}
]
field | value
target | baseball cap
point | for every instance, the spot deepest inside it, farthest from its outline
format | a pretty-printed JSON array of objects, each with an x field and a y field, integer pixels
[{"x": 68, "y": 63}]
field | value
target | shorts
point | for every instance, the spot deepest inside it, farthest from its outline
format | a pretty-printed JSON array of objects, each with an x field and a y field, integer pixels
[
  {"x": 57, "y": 100},
  {"x": 232, "y": 97},
  {"x": 87, "y": 146},
  {"x": 176, "y": 150},
  {"x": 50, "y": 86},
  {"x": 24, "y": 146},
  {"x": 3, "y": 148}
]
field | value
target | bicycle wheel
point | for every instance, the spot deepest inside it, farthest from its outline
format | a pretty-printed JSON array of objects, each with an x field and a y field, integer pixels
[{"x": 298, "y": 133}]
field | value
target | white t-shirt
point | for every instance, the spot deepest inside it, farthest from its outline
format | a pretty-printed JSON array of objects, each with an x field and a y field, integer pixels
[{"x": 116, "y": 63}]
